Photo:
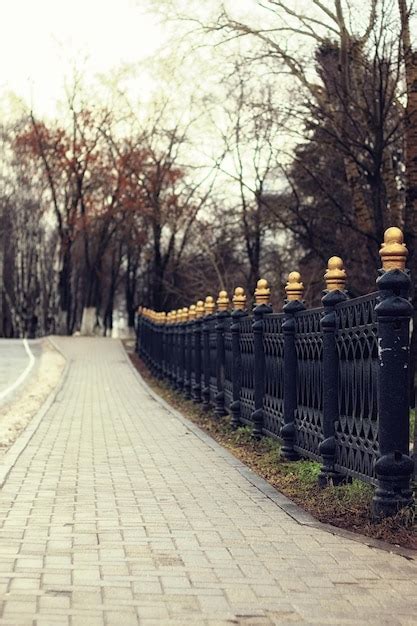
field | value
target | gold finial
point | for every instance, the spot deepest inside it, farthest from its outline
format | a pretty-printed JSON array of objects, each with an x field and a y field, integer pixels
[
  {"x": 262, "y": 292},
  {"x": 192, "y": 312},
  {"x": 209, "y": 305},
  {"x": 174, "y": 316},
  {"x": 164, "y": 318},
  {"x": 335, "y": 275},
  {"x": 294, "y": 288},
  {"x": 184, "y": 314},
  {"x": 393, "y": 251},
  {"x": 223, "y": 301},
  {"x": 199, "y": 309},
  {"x": 239, "y": 299}
]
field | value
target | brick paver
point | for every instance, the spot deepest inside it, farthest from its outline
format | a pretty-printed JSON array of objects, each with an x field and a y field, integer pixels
[{"x": 116, "y": 514}]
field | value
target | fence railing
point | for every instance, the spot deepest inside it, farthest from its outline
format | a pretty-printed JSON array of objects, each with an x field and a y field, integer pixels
[{"x": 330, "y": 383}]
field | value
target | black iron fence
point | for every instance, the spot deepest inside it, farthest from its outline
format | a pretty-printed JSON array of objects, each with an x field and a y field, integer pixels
[{"x": 330, "y": 383}]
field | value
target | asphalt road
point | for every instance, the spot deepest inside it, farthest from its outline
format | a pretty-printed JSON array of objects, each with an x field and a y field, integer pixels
[{"x": 13, "y": 362}]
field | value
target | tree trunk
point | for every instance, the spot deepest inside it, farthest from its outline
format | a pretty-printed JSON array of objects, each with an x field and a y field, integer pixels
[
  {"x": 410, "y": 219},
  {"x": 158, "y": 269},
  {"x": 130, "y": 290},
  {"x": 65, "y": 295},
  {"x": 410, "y": 63},
  {"x": 361, "y": 210}
]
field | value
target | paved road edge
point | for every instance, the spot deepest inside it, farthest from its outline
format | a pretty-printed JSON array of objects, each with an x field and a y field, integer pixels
[
  {"x": 13, "y": 454},
  {"x": 23, "y": 375},
  {"x": 298, "y": 514}
]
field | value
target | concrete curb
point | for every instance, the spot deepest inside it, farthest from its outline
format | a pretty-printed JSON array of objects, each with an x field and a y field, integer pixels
[
  {"x": 12, "y": 455},
  {"x": 298, "y": 514}
]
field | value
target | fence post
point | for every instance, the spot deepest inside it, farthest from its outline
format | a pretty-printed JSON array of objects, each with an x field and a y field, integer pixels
[
  {"x": 149, "y": 341},
  {"x": 152, "y": 342},
  {"x": 168, "y": 352},
  {"x": 335, "y": 293},
  {"x": 182, "y": 331},
  {"x": 137, "y": 329},
  {"x": 173, "y": 347},
  {"x": 294, "y": 290},
  {"x": 138, "y": 317},
  {"x": 197, "y": 351},
  {"x": 209, "y": 307},
  {"x": 151, "y": 347},
  {"x": 140, "y": 333},
  {"x": 142, "y": 349},
  {"x": 158, "y": 350},
  {"x": 222, "y": 313},
  {"x": 177, "y": 329},
  {"x": 155, "y": 350},
  {"x": 189, "y": 328},
  {"x": 239, "y": 306},
  {"x": 262, "y": 293},
  {"x": 143, "y": 331},
  {"x": 394, "y": 467},
  {"x": 178, "y": 321},
  {"x": 162, "y": 323}
]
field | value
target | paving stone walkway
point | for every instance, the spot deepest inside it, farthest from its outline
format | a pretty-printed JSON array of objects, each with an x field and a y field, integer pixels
[{"x": 116, "y": 514}]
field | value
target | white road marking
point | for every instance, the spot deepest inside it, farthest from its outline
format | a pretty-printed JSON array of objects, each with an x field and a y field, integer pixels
[{"x": 23, "y": 375}]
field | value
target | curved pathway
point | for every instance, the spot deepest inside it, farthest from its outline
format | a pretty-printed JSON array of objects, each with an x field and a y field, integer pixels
[
  {"x": 116, "y": 513},
  {"x": 17, "y": 360}
]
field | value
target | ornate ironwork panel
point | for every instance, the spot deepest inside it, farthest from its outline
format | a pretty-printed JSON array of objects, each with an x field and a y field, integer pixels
[
  {"x": 228, "y": 389},
  {"x": 247, "y": 393},
  {"x": 309, "y": 412},
  {"x": 356, "y": 430},
  {"x": 274, "y": 374}
]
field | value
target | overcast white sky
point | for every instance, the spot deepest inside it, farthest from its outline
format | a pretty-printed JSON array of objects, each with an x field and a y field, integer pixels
[{"x": 41, "y": 39}]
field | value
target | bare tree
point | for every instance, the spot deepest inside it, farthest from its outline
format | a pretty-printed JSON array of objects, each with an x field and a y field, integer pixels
[
  {"x": 172, "y": 192},
  {"x": 29, "y": 279},
  {"x": 252, "y": 140}
]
